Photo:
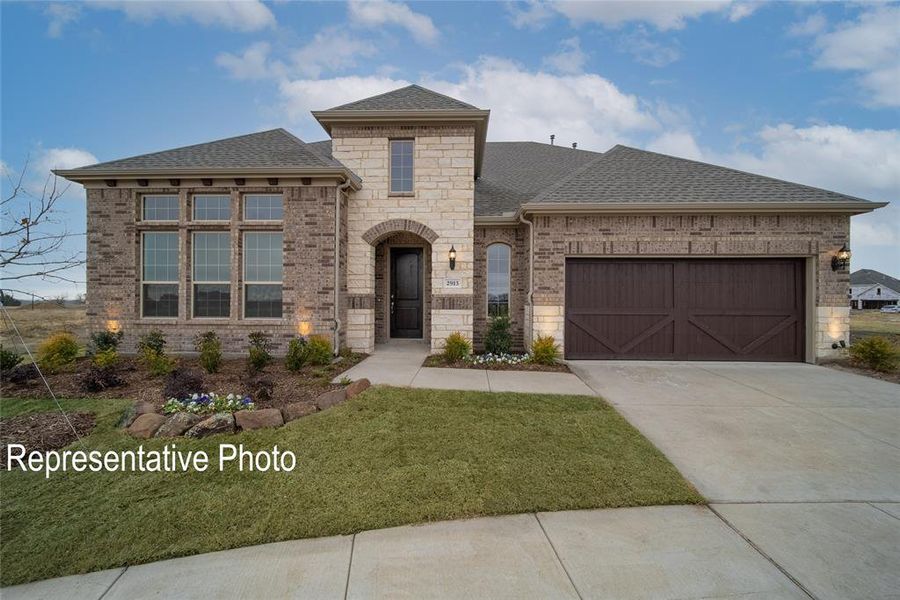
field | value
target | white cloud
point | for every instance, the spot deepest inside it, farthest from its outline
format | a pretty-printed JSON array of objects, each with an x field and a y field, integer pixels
[
  {"x": 534, "y": 14},
  {"x": 61, "y": 158},
  {"x": 742, "y": 10},
  {"x": 669, "y": 14},
  {"x": 676, "y": 143},
  {"x": 300, "y": 96},
  {"x": 812, "y": 25},
  {"x": 331, "y": 50},
  {"x": 570, "y": 59},
  {"x": 378, "y": 13},
  {"x": 238, "y": 15},
  {"x": 59, "y": 15},
  {"x": 253, "y": 63},
  {"x": 647, "y": 51}
]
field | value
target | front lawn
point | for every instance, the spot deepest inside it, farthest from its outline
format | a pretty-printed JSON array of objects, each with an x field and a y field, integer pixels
[{"x": 387, "y": 457}]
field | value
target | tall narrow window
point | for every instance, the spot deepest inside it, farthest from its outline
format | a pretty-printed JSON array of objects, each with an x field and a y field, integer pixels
[
  {"x": 212, "y": 274},
  {"x": 263, "y": 257},
  {"x": 498, "y": 280},
  {"x": 159, "y": 208},
  {"x": 159, "y": 274},
  {"x": 401, "y": 166},
  {"x": 212, "y": 208},
  {"x": 263, "y": 207}
]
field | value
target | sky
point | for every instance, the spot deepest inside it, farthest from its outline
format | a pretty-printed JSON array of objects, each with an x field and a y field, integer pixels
[{"x": 808, "y": 91}]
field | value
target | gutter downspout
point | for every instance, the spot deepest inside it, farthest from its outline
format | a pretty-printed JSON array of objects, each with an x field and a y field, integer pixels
[
  {"x": 338, "y": 197},
  {"x": 530, "y": 295}
]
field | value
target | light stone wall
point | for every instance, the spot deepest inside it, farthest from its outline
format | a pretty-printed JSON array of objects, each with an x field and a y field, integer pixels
[
  {"x": 443, "y": 199},
  {"x": 832, "y": 326}
]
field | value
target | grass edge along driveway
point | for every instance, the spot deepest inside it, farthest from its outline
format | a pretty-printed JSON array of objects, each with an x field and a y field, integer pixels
[{"x": 389, "y": 457}]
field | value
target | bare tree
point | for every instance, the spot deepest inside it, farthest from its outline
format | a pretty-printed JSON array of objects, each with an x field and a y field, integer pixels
[{"x": 33, "y": 234}]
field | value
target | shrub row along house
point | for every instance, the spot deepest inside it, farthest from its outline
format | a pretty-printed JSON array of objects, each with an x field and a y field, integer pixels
[{"x": 408, "y": 223}]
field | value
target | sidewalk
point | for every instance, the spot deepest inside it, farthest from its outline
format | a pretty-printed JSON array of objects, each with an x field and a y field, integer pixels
[
  {"x": 663, "y": 551},
  {"x": 400, "y": 363}
]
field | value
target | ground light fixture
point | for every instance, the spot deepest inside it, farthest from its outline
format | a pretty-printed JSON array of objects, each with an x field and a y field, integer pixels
[
  {"x": 841, "y": 260},
  {"x": 452, "y": 258}
]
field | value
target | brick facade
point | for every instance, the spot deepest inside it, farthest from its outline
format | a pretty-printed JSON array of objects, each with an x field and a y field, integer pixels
[{"x": 516, "y": 237}]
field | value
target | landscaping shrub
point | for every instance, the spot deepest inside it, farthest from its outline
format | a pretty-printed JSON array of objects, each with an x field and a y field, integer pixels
[
  {"x": 97, "y": 378},
  {"x": 183, "y": 382},
  {"x": 296, "y": 354},
  {"x": 210, "y": 348},
  {"x": 153, "y": 341},
  {"x": 498, "y": 339},
  {"x": 318, "y": 350},
  {"x": 456, "y": 347},
  {"x": 876, "y": 353},
  {"x": 152, "y": 347},
  {"x": 259, "y": 351},
  {"x": 102, "y": 341},
  {"x": 8, "y": 359},
  {"x": 57, "y": 351},
  {"x": 544, "y": 350},
  {"x": 22, "y": 373},
  {"x": 105, "y": 358}
]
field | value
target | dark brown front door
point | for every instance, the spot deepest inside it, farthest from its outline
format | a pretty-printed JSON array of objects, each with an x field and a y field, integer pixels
[
  {"x": 703, "y": 309},
  {"x": 406, "y": 293}
]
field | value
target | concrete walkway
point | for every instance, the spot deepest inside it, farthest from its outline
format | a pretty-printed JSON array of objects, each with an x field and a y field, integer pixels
[{"x": 400, "y": 363}]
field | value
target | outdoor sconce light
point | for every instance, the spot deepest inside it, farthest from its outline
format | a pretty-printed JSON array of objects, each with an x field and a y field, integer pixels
[
  {"x": 841, "y": 260},
  {"x": 452, "y": 258}
]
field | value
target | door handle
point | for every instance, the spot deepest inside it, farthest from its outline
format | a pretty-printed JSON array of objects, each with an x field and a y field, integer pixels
[{"x": 392, "y": 307}]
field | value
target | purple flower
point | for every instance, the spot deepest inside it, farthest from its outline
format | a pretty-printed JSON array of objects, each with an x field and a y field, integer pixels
[{"x": 246, "y": 400}]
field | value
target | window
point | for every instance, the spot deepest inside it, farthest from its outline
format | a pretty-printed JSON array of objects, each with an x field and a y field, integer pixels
[
  {"x": 262, "y": 275},
  {"x": 877, "y": 291},
  {"x": 159, "y": 274},
  {"x": 401, "y": 166},
  {"x": 212, "y": 274},
  {"x": 263, "y": 207},
  {"x": 498, "y": 280},
  {"x": 160, "y": 208},
  {"x": 212, "y": 208}
]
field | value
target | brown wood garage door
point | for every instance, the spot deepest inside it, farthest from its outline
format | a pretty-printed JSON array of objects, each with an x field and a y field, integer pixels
[{"x": 700, "y": 309}]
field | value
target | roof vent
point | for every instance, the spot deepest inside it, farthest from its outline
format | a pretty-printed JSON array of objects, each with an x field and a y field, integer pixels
[
  {"x": 552, "y": 137},
  {"x": 574, "y": 145}
]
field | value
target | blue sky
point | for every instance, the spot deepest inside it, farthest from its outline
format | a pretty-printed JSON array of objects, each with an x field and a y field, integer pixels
[{"x": 808, "y": 92}]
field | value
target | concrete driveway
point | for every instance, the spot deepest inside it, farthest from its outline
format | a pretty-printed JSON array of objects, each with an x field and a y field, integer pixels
[{"x": 803, "y": 461}]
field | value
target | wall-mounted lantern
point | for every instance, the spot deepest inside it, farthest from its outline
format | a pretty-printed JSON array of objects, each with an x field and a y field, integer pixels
[
  {"x": 841, "y": 260},
  {"x": 452, "y": 258}
]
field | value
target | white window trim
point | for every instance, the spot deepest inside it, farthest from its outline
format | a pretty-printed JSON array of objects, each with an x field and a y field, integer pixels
[
  {"x": 412, "y": 174},
  {"x": 145, "y": 196},
  {"x": 195, "y": 283},
  {"x": 245, "y": 283},
  {"x": 487, "y": 280},
  {"x": 264, "y": 221},
  {"x": 142, "y": 281},
  {"x": 194, "y": 208}
]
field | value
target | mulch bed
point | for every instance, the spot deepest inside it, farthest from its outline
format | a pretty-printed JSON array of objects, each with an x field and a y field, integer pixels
[
  {"x": 42, "y": 431},
  {"x": 437, "y": 360},
  {"x": 233, "y": 377},
  {"x": 846, "y": 366}
]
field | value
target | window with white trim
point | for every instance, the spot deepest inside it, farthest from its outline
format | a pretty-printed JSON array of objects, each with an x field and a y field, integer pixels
[
  {"x": 212, "y": 208},
  {"x": 263, "y": 260},
  {"x": 159, "y": 208},
  {"x": 263, "y": 207},
  {"x": 159, "y": 274},
  {"x": 402, "y": 166},
  {"x": 498, "y": 280},
  {"x": 211, "y": 274}
]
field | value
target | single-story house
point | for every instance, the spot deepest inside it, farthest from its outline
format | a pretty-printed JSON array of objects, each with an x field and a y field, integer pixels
[
  {"x": 407, "y": 223},
  {"x": 871, "y": 289}
]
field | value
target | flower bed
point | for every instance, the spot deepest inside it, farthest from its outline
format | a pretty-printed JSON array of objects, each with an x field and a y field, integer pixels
[
  {"x": 210, "y": 402},
  {"x": 495, "y": 362}
]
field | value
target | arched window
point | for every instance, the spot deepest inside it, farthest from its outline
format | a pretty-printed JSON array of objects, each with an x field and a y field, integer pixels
[{"x": 498, "y": 280}]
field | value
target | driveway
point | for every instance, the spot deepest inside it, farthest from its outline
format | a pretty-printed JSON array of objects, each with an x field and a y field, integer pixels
[{"x": 803, "y": 461}]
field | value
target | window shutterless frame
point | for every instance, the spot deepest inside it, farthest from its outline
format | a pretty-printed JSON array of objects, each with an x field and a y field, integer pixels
[
  {"x": 263, "y": 207},
  {"x": 163, "y": 208},
  {"x": 211, "y": 208},
  {"x": 400, "y": 167},
  {"x": 155, "y": 280},
  {"x": 503, "y": 254},
  {"x": 208, "y": 271},
  {"x": 270, "y": 268}
]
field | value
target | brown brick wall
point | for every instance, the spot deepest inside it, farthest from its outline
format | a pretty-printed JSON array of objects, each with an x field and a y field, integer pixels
[{"x": 516, "y": 237}]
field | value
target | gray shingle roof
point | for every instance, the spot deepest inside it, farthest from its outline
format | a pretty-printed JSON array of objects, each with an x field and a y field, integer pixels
[
  {"x": 411, "y": 97},
  {"x": 626, "y": 174},
  {"x": 275, "y": 148},
  {"x": 869, "y": 276}
]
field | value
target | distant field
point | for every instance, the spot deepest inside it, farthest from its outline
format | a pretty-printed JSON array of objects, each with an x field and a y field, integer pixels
[
  {"x": 37, "y": 323},
  {"x": 865, "y": 323}
]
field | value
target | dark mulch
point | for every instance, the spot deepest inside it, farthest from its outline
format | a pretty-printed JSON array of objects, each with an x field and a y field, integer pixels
[
  {"x": 233, "y": 377},
  {"x": 42, "y": 431},
  {"x": 846, "y": 366},
  {"x": 438, "y": 360}
]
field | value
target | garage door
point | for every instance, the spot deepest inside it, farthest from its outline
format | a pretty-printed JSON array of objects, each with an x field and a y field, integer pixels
[{"x": 709, "y": 309}]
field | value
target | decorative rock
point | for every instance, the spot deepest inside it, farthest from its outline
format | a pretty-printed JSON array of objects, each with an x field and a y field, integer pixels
[
  {"x": 258, "y": 419},
  {"x": 357, "y": 387},
  {"x": 295, "y": 410},
  {"x": 137, "y": 409},
  {"x": 145, "y": 425},
  {"x": 329, "y": 399},
  {"x": 177, "y": 424},
  {"x": 217, "y": 423}
]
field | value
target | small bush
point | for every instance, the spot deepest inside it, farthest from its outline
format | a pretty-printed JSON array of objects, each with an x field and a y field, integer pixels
[
  {"x": 296, "y": 354},
  {"x": 22, "y": 373},
  {"x": 498, "y": 339},
  {"x": 259, "y": 351},
  {"x": 8, "y": 359},
  {"x": 157, "y": 362},
  {"x": 97, "y": 378},
  {"x": 153, "y": 341},
  {"x": 456, "y": 347},
  {"x": 210, "y": 348},
  {"x": 544, "y": 350},
  {"x": 102, "y": 341},
  {"x": 57, "y": 351},
  {"x": 875, "y": 353},
  {"x": 181, "y": 383},
  {"x": 105, "y": 358},
  {"x": 319, "y": 351}
]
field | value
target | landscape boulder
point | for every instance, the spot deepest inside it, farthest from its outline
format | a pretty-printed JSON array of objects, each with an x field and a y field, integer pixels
[
  {"x": 258, "y": 419},
  {"x": 357, "y": 387},
  {"x": 295, "y": 410},
  {"x": 217, "y": 423},
  {"x": 137, "y": 409},
  {"x": 145, "y": 425},
  {"x": 329, "y": 399},
  {"x": 177, "y": 424}
]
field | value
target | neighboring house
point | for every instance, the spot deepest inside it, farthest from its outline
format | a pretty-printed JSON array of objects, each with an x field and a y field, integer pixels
[
  {"x": 407, "y": 223},
  {"x": 871, "y": 289}
]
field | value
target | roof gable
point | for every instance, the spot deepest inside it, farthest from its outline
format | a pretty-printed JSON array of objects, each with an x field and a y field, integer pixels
[
  {"x": 870, "y": 276},
  {"x": 411, "y": 97}
]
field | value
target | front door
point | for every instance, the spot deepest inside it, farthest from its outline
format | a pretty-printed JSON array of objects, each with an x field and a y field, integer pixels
[{"x": 406, "y": 293}]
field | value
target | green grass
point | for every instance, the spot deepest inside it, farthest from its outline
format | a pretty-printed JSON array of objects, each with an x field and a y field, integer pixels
[{"x": 388, "y": 457}]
